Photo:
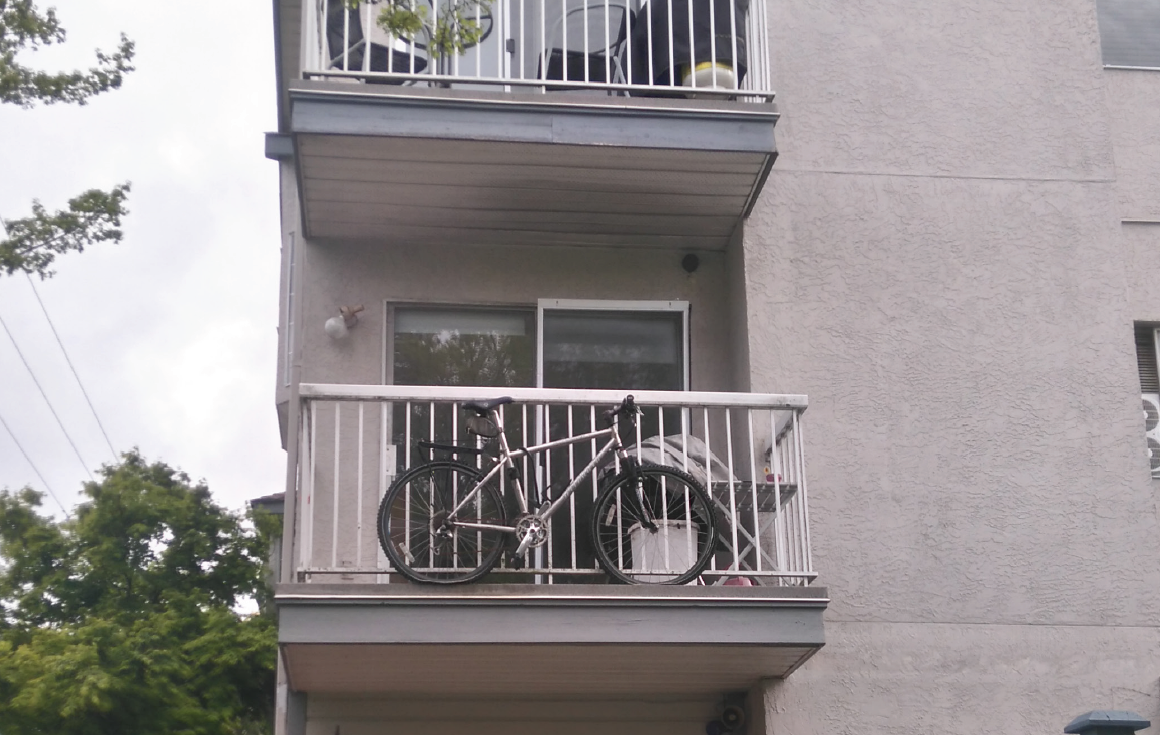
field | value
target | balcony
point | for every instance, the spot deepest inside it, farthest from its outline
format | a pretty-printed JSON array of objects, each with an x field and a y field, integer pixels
[
  {"x": 550, "y": 621},
  {"x": 574, "y": 123}
]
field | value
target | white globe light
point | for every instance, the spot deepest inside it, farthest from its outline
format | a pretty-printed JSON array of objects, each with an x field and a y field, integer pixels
[{"x": 336, "y": 327}]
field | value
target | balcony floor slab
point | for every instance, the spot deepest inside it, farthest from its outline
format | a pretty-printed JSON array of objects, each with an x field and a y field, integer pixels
[
  {"x": 429, "y": 165},
  {"x": 576, "y": 639}
]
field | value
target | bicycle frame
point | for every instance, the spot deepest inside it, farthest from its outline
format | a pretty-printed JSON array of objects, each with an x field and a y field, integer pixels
[{"x": 506, "y": 460}]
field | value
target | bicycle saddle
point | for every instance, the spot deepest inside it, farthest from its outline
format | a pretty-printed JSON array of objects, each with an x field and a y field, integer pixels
[{"x": 484, "y": 407}]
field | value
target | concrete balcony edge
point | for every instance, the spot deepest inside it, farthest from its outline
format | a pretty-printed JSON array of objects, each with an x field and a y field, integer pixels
[
  {"x": 344, "y": 109},
  {"x": 551, "y": 614}
]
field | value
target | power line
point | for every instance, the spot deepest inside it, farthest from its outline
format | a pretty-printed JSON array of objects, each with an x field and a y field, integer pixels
[
  {"x": 45, "y": 396},
  {"x": 70, "y": 367},
  {"x": 34, "y": 469}
]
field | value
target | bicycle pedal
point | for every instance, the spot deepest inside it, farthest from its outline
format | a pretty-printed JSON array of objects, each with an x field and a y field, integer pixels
[{"x": 515, "y": 562}]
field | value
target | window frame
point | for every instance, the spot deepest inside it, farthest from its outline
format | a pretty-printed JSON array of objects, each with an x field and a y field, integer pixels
[
  {"x": 543, "y": 305},
  {"x": 683, "y": 307}
]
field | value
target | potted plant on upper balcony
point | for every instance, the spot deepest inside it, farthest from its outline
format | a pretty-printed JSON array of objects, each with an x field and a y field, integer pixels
[{"x": 442, "y": 28}]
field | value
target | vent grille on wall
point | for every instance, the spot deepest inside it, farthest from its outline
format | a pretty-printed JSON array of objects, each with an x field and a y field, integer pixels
[
  {"x": 1152, "y": 430},
  {"x": 1146, "y": 358}
]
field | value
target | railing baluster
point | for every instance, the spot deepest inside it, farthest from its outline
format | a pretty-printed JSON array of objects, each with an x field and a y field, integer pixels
[
  {"x": 804, "y": 495},
  {"x": 708, "y": 465},
  {"x": 672, "y": 44},
  {"x": 587, "y": 48},
  {"x": 652, "y": 74},
  {"x": 595, "y": 481},
  {"x": 628, "y": 25},
  {"x": 358, "y": 497},
  {"x": 335, "y": 489},
  {"x": 312, "y": 499},
  {"x": 386, "y": 431},
  {"x": 712, "y": 46},
  {"x": 753, "y": 494},
  {"x": 572, "y": 499},
  {"x": 733, "y": 39},
  {"x": 608, "y": 43},
  {"x": 521, "y": 58},
  {"x": 692, "y": 45},
  {"x": 406, "y": 448},
  {"x": 308, "y": 514},
  {"x": 564, "y": 37},
  {"x": 732, "y": 489},
  {"x": 776, "y": 465}
]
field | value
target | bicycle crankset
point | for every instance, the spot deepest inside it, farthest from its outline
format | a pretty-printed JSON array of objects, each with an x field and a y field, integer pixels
[{"x": 531, "y": 531}]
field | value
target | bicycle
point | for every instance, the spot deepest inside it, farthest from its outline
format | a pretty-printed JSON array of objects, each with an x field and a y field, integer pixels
[{"x": 445, "y": 522}]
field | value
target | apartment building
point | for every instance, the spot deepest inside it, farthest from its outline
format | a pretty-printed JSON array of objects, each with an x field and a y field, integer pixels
[{"x": 906, "y": 251}]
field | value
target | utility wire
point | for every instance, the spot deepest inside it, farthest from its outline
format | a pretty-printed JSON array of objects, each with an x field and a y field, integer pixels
[
  {"x": 73, "y": 369},
  {"x": 34, "y": 469},
  {"x": 45, "y": 396}
]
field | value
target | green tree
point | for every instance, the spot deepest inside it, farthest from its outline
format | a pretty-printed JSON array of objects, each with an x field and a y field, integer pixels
[
  {"x": 33, "y": 242},
  {"x": 122, "y": 619}
]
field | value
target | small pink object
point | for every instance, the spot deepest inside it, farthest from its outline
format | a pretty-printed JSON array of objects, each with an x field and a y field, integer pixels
[{"x": 738, "y": 582}]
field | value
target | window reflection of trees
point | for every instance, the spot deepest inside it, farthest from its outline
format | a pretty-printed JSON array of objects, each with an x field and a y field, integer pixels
[{"x": 451, "y": 358}]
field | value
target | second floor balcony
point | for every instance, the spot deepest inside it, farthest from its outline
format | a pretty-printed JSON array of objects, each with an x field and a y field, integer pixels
[
  {"x": 554, "y": 612},
  {"x": 581, "y": 122}
]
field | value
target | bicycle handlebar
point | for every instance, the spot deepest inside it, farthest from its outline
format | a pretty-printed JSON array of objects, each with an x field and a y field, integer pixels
[{"x": 626, "y": 407}]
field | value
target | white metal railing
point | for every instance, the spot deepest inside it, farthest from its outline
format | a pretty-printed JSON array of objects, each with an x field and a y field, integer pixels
[
  {"x": 704, "y": 48},
  {"x": 745, "y": 448}
]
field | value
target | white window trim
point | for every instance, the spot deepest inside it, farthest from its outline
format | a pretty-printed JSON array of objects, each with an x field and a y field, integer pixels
[{"x": 610, "y": 305}]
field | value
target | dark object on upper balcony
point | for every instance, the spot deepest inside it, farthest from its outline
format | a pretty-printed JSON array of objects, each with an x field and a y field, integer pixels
[
  {"x": 711, "y": 40},
  {"x": 584, "y": 47},
  {"x": 345, "y": 23}
]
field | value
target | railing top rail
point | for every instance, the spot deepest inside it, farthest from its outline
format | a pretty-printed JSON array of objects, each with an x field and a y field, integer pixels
[
  {"x": 746, "y": 95},
  {"x": 690, "y": 399}
]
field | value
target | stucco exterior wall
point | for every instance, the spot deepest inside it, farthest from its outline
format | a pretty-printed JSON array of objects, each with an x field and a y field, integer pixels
[
  {"x": 948, "y": 259},
  {"x": 938, "y": 262},
  {"x": 371, "y": 273},
  {"x": 1133, "y": 101},
  {"x": 1133, "y": 98}
]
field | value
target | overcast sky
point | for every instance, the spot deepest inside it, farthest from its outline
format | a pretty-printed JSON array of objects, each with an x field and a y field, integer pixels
[{"x": 173, "y": 331}]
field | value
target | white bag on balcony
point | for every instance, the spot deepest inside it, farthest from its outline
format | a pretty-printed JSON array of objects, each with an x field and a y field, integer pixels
[{"x": 672, "y": 454}]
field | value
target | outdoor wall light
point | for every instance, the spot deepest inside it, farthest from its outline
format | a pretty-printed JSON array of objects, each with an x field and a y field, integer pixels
[{"x": 339, "y": 326}]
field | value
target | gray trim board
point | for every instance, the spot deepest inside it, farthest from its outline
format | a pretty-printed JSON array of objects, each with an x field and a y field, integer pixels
[
  {"x": 633, "y": 126},
  {"x": 682, "y": 617},
  {"x": 279, "y": 146}
]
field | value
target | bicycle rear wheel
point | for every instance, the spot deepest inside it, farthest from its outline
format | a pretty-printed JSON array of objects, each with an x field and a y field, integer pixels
[
  {"x": 421, "y": 539},
  {"x": 654, "y": 526}
]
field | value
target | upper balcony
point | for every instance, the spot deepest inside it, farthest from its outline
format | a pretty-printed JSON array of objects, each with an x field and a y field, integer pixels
[
  {"x": 549, "y": 621},
  {"x": 644, "y": 123}
]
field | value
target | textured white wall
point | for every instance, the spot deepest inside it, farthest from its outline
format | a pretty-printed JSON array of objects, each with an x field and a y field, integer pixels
[
  {"x": 464, "y": 274},
  {"x": 937, "y": 261}
]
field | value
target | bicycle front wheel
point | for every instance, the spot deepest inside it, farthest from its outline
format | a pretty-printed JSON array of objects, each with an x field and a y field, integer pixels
[
  {"x": 424, "y": 542},
  {"x": 654, "y": 526}
]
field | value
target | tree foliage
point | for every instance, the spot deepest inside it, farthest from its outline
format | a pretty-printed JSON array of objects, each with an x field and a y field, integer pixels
[
  {"x": 34, "y": 242},
  {"x": 122, "y": 618},
  {"x": 23, "y": 27}
]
